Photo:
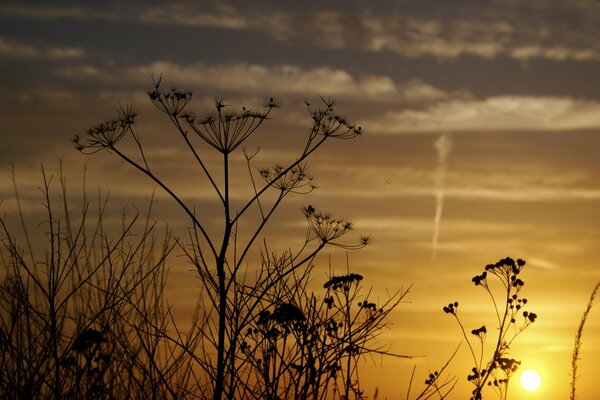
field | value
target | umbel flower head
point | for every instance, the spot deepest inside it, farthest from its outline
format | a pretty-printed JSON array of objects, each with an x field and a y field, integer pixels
[
  {"x": 172, "y": 102},
  {"x": 327, "y": 123},
  {"x": 108, "y": 133},
  {"x": 324, "y": 226},
  {"x": 295, "y": 179},
  {"x": 224, "y": 131}
]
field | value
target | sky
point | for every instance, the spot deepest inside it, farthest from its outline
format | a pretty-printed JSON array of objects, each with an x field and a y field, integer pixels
[{"x": 482, "y": 140}]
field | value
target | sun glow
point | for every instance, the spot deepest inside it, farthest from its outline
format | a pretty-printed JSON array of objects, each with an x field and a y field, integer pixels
[{"x": 530, "y": 380}]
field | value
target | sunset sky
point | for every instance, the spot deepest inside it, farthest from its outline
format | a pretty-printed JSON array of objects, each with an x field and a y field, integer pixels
[{"x": 482, "y": 140}]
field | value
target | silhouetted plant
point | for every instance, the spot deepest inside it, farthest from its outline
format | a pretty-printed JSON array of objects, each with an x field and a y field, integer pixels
[
  {"x": 232, "y": 303},
  {"x": 512, "y": 320},
  {"x": 69, "y": 309},
  {"x": 305, "y": 346},
  {"x": 436, "y": 385},
  {"x": 578, "y": 342}
]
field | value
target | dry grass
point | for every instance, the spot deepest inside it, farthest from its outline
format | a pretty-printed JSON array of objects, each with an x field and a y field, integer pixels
[{"x": 578, "y": 342}]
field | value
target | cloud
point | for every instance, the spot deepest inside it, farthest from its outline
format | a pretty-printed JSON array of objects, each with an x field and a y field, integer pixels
[
  {"x": 504, "y": 183},
  {"x": 423, "y": 226},
  {"x": 48, "y": 97},
  {"x": 285, "y": 79},
  {"x": 414, "y": 37},
  {"x": 555, "y": 53},
  {"x": 533, "y": 194},
  {"x": 16, "y": 49},
  {"x": 208, "y": 15},
  {"x": 487, "y": 31},
  {"x": 399, "y": 31},
  {"x": 486, "y": 38},
  {"x": 224, "y": 16},
  {"x": 84, "y": 71},
  {"x": 57, "y": 11},
  {"x": 402, "y": 31},
  {"x": 215, "y": 15},
  {"x": 542, "y": 264},
  {"x": 494, "y": 113}
]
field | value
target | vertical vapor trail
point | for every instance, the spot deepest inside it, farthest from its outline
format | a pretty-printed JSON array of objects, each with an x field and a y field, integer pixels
[{"x": 443, "y": 146}]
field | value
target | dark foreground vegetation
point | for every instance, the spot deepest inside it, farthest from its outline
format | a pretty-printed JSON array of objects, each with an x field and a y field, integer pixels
[{"x": 83, "y": 313}]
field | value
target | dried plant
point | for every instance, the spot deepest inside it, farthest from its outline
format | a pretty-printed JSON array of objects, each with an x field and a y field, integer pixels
[
  {"x": 260, "y": 334},
  {"x": 512, "y": 319},
  {"x": 306, "y": 346},
  {"x": 577, "y": 347},
  {"x": 436, "y": 384},
  {"x": 73, "y": 310}
]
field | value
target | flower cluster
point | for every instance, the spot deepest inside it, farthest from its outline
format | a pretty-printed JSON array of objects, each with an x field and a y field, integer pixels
[
  {"x": 326, "y": 227},
  {"x": 172, "y": 102},
  {"x": 367, "y": 305},
  {"x": 476, "y": 374},
  {"x": 327, "y": 123},
  {"x": 108, "y": 133},
  {"x": 530, "y": 316},
  {"x": 432, "y": 377},
  {"x": 480, "y": 279},
  {"x": 225, "y": 131},
  {"x": 515, "y": 266},
  {"x": 342, "y": 282},
  {"x": 286, "y": 316},
  {"x": 295, "y": 179},
  {"x": 509, "y": 365},
  {"x": 506, "y": 269},
  {"x": 480, "y": 331},
  {"x": 87, "y": 339},
  {"x": 497, "y": 371},
  {"x": 329, "y": 301},
  {"x": 332, "y": 327},
  {"x": 451, "y": 308},
  {"x": 287, "y": 312}
]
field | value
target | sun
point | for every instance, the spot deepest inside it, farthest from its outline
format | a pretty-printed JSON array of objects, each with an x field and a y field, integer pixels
[{"x": 530, "y": 380}]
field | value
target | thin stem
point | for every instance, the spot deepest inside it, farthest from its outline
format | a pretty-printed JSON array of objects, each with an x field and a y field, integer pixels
[
  {"x": 220, "y": 264},
  {"x": 577, "y": 346},
  {"x": 185, "y": 137},
  {"x": 172, "y": 194},
  {"x": 254, "y": 198}
]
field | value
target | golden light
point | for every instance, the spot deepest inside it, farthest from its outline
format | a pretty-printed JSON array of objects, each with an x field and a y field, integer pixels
[{"x": 530, "y": 380}]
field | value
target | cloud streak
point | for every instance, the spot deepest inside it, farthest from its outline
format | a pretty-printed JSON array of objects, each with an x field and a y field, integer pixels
[
  {"x": 508, "y": 112},
  {"x": 443, "y": 147},
  {"x": 260, "y": 79},
  {"x": 16, "y": 49},
  {"x": 490, "y": 183}
]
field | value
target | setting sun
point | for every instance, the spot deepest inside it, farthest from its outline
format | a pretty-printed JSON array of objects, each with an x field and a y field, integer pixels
[{"x": 530, "y": 380}]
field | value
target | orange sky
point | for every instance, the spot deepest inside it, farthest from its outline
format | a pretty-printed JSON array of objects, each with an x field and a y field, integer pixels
[{"x": 508, "y": 89}]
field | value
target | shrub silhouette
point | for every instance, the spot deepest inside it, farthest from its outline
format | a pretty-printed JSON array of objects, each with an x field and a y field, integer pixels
[{"x": 72, "y": 311}]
